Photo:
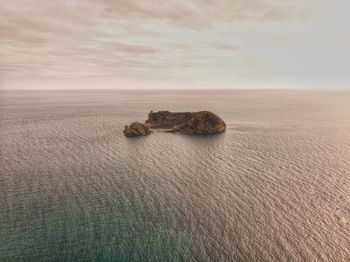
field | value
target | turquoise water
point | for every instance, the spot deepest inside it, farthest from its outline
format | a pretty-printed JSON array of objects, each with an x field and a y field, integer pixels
[{"x": 274, "y": 186}]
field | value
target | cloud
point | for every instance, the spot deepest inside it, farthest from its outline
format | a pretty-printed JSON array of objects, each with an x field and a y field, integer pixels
[
  {"x": 130, "y": 48},
  {"x": 224, "y": 46},
  {"x": 170, "y": 39},
  {"x": 202, "y": 13}
]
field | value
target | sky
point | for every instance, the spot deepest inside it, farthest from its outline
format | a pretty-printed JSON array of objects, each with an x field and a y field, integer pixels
[{"x": 185, "y": 44}]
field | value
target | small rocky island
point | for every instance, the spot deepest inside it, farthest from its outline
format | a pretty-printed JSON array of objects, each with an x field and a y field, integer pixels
[
  {"x": 188, "y": 123},
  {"x": 136, "y": 129}
]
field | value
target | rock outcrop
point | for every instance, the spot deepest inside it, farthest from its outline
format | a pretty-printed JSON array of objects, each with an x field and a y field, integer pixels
[
  {"x": 203, "y": 122},
  {"x": 166, "y": 119},
  {"x": 188, "y": 123},
  {"x": 136, "y": 129}
]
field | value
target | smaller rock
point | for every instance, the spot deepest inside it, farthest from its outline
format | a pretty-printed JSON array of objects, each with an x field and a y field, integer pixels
[{"x": 136, "y": 129}]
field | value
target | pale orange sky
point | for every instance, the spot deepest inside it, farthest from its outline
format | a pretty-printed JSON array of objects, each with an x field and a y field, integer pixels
[{"x": 186, "y": 44}]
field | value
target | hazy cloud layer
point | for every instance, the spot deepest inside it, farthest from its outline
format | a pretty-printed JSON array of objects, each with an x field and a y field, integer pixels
[{"x": 203, "y": 43}]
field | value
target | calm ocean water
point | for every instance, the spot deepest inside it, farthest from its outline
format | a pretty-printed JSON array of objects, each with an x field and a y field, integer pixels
[{"x": 274, "y": 186}]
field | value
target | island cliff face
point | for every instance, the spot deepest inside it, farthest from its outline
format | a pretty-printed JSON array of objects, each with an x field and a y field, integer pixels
[
  {"x": 203, "y": 122},
  {"x": 188, "y": 123},
  {"x": 166, "y": 119}
]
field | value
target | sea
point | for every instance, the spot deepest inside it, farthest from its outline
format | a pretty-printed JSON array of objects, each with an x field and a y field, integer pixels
[{"x": 274, "y": 187}]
